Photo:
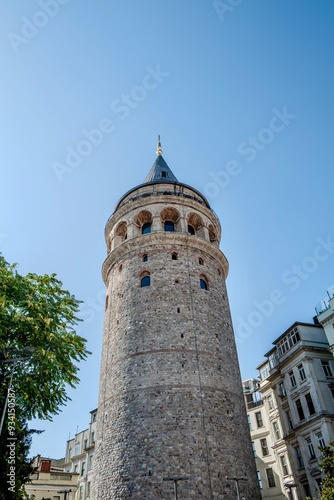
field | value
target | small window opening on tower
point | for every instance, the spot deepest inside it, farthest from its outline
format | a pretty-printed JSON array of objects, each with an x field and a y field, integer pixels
[
  {"x": 107, "y": 302},
  {"x": 178, "y": 310},
  {"x": 146, "y": 228},
  {"x": 219, "y": 272},
  {"x": 164, "y": 174},
  {"x": 120, "y": 268},
  {"x": 145, "y": 280},
  {"x": 201, "y": 261},
  {"x": 191, "y": 230},
  {"x": 169, "y": 225},
  {"x": 176, "y": 281},
  {"x": 145, "y": 257},
  {"x": 174, "y": 256},
  {"x": 203, "y": 284}
]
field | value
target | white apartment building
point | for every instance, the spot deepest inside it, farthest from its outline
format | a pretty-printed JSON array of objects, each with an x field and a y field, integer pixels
[
  {"x": 79, "y": 458},
  {"x": 297, "y": 386},
  {"x": 258, "y": 412}
]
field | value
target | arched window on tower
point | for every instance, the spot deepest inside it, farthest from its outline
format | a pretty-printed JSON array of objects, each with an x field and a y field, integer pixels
[
  {"x": 145, "y": 279},
  {"x": 145, "y": 257},
  {"x": 174, "y": 256},
  {"x": 191, "y": 230},
  {"x": 203, "y": 283},
  {"x": 169, "y": 225},
  {"x": 146, "y": 228}
]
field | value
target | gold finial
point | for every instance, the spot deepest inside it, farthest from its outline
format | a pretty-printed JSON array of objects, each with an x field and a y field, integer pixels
[{"x": 159, "y": 148}]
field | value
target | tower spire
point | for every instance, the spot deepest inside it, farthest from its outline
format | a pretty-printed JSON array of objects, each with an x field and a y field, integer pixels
[{"x": 159, "y": 148}]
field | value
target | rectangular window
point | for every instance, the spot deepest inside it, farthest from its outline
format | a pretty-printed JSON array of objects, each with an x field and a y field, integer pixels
[
  {"x": 332, "y": 391},
  {"x": 276, "y": 430},
  {"x": 301, "y": 370},
  {"x": 259, "y": 420},
  {"x": 284, "y": 466},
  {"x": 289, "y": 419},
  {"x": 270, "y": 478},
  {"x": 300, "y": 409},
  {"x": 93, "y": 438},
  {"x": 310, "y": 404},
  {"x": 76, "y": 468},
  {"x": 254, "y": 449},
  {"x": 90, "y": 462},
  {"x": 321, "y": 441},
  {"x": 288, "y": 341},
  {"x": 259, "y": 479},
  {"x": 83, "y": 468},
  {"x": 310, "y": 448},
  {"x": 270, "y": 402},
  {"x": 264, "y": 447},
  {"x": 327, "y": 369},
  {"x": 299, "y": 457},
  {"x": 249, "y": 422},
  {"x": 88, "y": 489},
  {"x": 282, "y": 389},
  {"x": 292, "y": 379},
  {"x": 76, "y": 448}
]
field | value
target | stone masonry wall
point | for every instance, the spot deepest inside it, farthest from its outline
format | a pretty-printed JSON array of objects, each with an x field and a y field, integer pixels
[{"x": 171, "y": 401}]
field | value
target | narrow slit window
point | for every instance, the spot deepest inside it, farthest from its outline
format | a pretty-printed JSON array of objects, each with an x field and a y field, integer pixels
[
  {"x": 145, "y": 281},
  {"x": 174, "y": 256},
  {"x": 203, "y": 284}
]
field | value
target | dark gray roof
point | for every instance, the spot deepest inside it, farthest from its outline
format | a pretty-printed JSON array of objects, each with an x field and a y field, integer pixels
[{"x": 160, "y": 172}]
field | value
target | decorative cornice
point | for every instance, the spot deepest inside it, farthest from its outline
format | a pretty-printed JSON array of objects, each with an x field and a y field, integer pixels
[{"x": 163, "y": 238}]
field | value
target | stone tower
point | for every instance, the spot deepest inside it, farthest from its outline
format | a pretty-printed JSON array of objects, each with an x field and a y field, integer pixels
[{"x": 170, "y": 401}]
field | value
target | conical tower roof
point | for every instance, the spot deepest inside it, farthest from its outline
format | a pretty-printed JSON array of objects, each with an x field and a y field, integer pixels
[{"x": 160, "y": 171}]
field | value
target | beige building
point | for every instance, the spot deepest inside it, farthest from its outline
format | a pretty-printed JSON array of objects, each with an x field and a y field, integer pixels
[
  {"x": 80, "y": 456},
  {"x": 50, "y": 482},
  {"x": 297, "y": 386},
  {"x": 260, "y": 413}
]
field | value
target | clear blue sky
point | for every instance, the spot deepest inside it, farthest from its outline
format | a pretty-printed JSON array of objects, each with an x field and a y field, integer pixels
[{"x": 243, "y": 100}]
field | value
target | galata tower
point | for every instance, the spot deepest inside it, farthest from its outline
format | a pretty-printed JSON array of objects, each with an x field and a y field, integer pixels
[{"x": 171, "y": 415}]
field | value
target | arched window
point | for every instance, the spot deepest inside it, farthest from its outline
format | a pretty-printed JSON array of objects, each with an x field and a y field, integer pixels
[
  {"x": 203, "y": 283},
  {"x": 201, "y": 261},
  {"x": 169, "y": 225},
  {"x": 146, "y": 228},
  {"x": 145, "y": 257},
  {"x": 174, "y": 256},
  {"x": 145, "y": 280},
  {"x": 191, "y": 230}
]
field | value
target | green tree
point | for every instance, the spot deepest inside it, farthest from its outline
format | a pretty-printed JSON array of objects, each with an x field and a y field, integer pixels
[
  {"x": 327, "y": 466},
  {"x": 39, "y": 347}
]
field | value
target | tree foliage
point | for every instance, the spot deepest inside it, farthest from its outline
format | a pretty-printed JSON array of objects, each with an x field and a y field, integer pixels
[
  {"x": 37, "y": 321},
  {"x": 39, "y": 352},
  {"x": 327, "y": 466}
]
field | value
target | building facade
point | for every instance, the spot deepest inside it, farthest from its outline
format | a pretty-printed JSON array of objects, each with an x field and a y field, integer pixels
[
  {"x": 297, "y": 385},
  {"x": 259, "y": 414},
  {"x": 79, "y": 458},
  {"x": 50, "y": 482},
  {"x": 170, "y": 398}
]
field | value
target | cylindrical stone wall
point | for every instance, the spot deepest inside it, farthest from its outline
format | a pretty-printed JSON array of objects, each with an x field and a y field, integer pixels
[{"x": 170, "y": 401}]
